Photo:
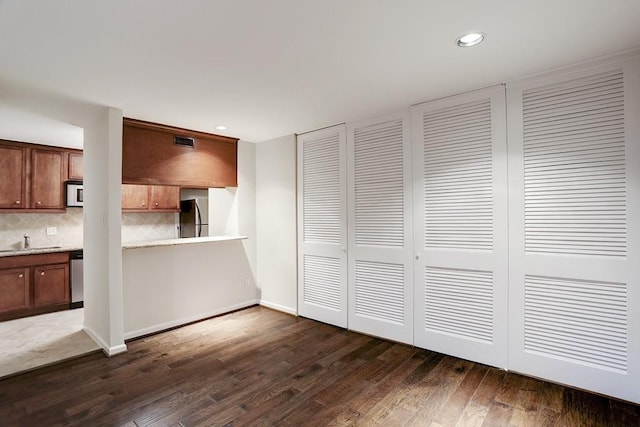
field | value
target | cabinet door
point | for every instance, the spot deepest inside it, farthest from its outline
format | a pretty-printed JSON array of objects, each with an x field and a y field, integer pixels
[
  {"x": 14, "y": 289},
  {"x": 76, "y": 170},
  {"x": 164, "y": 198},
  {"x": 47, "y": 178},
  {"x": 135, "y": 197},
  {"x": 12, "y": 177},
  {"x": 322, "y": 236},
  {"x": 51, "y": 284}
]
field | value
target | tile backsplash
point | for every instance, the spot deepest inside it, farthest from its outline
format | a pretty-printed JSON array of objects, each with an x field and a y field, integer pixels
[
  {"x": 138, "y": 227},
  {"x": 135, "y": 227}
]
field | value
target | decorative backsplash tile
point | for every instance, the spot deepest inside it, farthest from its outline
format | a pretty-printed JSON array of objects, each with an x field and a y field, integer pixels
[
  {"x": 138, "y": 227},
  {"x": 13, "y": 226},
  {"x": 135, "y": 227}
]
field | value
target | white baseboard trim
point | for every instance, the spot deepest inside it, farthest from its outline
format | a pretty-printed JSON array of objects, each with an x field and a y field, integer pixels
[
  {"x": 279, "y": 307},
  {"x": 117, "y": 349},
  {"x": 108, "y": 350},
  {"x": 183, "y": 321}
]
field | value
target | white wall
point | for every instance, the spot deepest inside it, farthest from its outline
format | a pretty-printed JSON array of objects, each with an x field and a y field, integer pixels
[
  {"x": 102, "y": 231},
  {"x": 244, "y": 209},
  {"x": 276, "y": 223}
]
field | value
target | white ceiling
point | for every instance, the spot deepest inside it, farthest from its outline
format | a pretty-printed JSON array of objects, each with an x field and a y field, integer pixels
[{"x": 267, "y": 68}]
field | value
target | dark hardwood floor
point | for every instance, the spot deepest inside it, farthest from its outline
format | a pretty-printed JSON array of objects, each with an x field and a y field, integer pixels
[{"x": 258, "y": 367}]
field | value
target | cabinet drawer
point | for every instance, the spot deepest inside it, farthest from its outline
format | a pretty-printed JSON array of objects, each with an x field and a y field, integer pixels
[{"x": 31, "y": 260}]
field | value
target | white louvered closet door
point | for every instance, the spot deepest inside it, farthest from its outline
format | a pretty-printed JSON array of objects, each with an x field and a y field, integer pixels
[
  {"x": 322, "y": 226},
  {"x": 461, "y": 266},
  {"x": 574, "y": 168},
  {"x": 380, "y": 240}
]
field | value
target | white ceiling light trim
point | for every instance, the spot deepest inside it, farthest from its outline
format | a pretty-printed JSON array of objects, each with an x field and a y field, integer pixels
[{"x": 470, "y": 39}]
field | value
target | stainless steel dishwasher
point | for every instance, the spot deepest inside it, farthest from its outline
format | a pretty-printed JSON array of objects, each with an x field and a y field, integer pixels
[{"x": 77, "y": 280}]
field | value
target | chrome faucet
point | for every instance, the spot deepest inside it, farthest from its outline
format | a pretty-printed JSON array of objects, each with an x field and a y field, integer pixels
[{"x": 27, "y": 243}]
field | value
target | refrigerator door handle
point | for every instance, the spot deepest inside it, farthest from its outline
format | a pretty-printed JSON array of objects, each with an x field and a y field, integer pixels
[{"x": 198, "y": 221}]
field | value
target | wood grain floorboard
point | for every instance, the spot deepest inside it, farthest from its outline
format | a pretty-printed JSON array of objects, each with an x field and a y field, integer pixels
[{"x": 259, "y": 367}]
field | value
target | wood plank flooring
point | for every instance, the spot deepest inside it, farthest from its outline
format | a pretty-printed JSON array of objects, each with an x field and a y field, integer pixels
[{"x": 258, "y": 367}]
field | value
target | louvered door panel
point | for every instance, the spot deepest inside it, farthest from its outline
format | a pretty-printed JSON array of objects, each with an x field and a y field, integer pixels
[
  {"x": 379, "y": 185},
  {"x": 322, "y": 239},
  {"x": 458, "y": 178},
  {"x": 573, "y": 263},
  {"x": 459, "y": 151},
  {"x": 574, "y": 167}
]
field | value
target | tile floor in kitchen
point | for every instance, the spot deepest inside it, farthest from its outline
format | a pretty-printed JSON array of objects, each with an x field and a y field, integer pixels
[{"x": 36, "y": 341}]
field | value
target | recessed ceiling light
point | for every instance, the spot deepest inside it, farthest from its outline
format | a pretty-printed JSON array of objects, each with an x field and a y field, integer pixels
[
  {"x": 221, "y": 127},
  {"x": 470, "y": 39}
]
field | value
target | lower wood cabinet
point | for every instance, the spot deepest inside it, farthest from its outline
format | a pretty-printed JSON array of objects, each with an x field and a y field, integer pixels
[
  {"x": 33, "y": 284},
  {"x": 14, "y": 289},
  {"x": 50, "y": 284}
]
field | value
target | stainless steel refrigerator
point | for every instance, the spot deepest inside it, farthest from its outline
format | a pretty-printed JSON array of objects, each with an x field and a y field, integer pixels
[{"x": 191, "y": 224}]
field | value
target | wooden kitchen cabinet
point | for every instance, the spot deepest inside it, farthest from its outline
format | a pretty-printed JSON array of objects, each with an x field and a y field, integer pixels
[
  {"x": 158, "y": 154},
  {"x": 13, "y": 170},
  {"x": 51, "y": 285},
  {"x": 135, "y": 197},
  {"x": 76, "y": 166},
  {"x": 164, "y": 197},
  {"x": 47, "y": 179},
  {"x": 32, "y": 177},
  {"x": 14, "y": 289},
  {"x": 33, "y": 284},
  {"x": 147, "y": 198}
]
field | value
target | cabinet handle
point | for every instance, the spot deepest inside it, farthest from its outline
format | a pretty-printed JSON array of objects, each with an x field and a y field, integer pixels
[
  {"x": 20, "y": 275},
  {"x": 143, "y": 205},
  {"x": 17, "y": 202},
  {"x": 156, "y": 203},
  {"x": 38, "y": 203},
  {"x": 42, "y": 273}
]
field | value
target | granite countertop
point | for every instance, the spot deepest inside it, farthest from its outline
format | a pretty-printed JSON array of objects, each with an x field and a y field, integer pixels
[
  {"x": 183, "y": 241},
  {"x": 128, "y": 245},
  {"x": 39, "y": 250}
]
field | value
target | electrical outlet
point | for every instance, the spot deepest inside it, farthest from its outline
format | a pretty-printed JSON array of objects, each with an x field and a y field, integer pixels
[
  {"x": 246, "y": 283},
  {"x": 52, "y": 231}
]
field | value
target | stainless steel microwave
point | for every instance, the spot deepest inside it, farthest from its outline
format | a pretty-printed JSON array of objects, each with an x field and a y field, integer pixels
[{"x": 75, "y": 195}]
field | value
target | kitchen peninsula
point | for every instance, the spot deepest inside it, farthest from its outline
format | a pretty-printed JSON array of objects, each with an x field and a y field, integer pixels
[{"x": 173, "y": 282}]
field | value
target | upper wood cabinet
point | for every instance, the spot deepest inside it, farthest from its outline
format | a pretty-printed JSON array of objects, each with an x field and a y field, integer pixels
[
  {"x": 13, "y": 170},
  {"x": 47, "y": 179},
  {"x": 159, "y": 154},
  {"x": 76, "y": 169},
  {"x": 145, "y": 198},
  {"x": 32, "y": 177},
  {"x": 164, "y": 197},
  {"x": 135, "y": 197}
]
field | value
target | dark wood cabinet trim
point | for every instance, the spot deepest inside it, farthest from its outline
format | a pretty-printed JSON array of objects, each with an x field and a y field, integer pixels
[{"x": 177, "y": 131}]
